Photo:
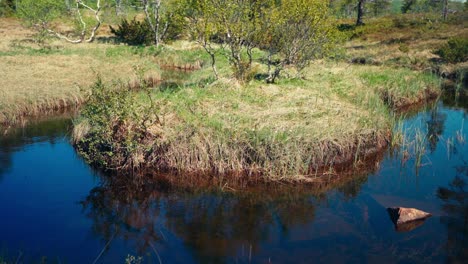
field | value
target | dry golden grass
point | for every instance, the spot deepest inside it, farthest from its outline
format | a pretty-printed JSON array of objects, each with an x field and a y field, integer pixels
[
  {"x": 283, "y": 131},
  {"x": 36, "y": 79},
  {"x": 409, "y": 45}
]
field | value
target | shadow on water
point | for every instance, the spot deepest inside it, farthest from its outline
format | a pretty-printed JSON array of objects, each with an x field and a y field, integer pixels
[
  {"x": 455, "y": 205},
  {"x": 35, "y": 131},
  {"x": 455, "y": 95}
]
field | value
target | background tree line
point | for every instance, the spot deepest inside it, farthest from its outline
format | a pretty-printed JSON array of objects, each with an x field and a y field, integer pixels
[
  {"x": 289, "y": 33},
  {"x": 372, "y": 8}
]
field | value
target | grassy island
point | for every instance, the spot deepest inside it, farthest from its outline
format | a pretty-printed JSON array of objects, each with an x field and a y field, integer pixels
[{"x": 336, "y": 115}]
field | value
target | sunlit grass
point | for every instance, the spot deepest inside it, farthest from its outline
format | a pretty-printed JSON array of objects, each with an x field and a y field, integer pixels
[
  {"x": 330, "y": 113},
  {"x": 286, "y": 131}
]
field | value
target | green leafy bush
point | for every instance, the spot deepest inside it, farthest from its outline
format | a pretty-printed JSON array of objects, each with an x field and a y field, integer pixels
[
  {"x": 133, "y": 32},
  {"x": 407, "y": 5},
  {"x": 456, "y": 50},
  {"x": 112, "y": 125},
  {"x": 6, "y": 8},
  {"x": 40, "y": 12}
]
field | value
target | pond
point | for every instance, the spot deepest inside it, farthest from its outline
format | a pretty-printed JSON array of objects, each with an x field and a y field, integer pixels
[{"x": 55, "y": 208}]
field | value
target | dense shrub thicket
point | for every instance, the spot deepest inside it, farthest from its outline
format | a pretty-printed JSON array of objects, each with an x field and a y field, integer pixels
[
  {"x": 456, "y": 50},
  {"x": 114, "y": 130},
  {"x": 133, "y": 32},
  {"x": 7, "y": 7}
]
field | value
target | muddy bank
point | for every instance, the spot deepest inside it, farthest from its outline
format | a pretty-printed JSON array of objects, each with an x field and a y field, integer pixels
[{"x": 424, "y": 98}]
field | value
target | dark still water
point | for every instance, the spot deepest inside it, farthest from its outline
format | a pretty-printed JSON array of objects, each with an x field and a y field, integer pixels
[{"x": 53, "y": 205}]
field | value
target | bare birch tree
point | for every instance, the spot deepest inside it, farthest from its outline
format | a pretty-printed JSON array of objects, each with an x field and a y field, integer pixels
[
  {"x": 202, "y": 28},
  {"x": 40, "y": 13},
  {"x": 153, "y": 11}
]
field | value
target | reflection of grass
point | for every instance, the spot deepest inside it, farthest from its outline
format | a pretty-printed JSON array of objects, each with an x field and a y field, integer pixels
[
  {"x": 460, "y": 136},
  {"x": 135, "y": 212},
  {"x": 409, "y": 143}
]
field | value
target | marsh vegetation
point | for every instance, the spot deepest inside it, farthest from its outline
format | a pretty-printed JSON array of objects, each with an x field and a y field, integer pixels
[
  {"x": 272, "y": 91},
  {"x": 194, "y": 114}
]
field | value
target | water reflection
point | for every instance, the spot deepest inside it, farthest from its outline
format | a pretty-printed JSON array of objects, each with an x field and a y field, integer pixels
[
  {"x": 455, "y": 205},
  {"x": 435, "y": 127},
  {"x": 456, "y": 99},
  {"x": 340, "y": 220},
  {"x": 42, "y": 180},
  {"x": 16, "y": 139},
  {"x": 216, "y": 227}
]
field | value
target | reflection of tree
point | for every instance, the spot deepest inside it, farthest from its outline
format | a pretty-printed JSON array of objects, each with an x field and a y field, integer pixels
[
  {"x": 215, "y": 226},
  {"x": 125, "y": 217},
  {"x": 455, "y": 199},
  {"x": 352, "y": 188},
  {"x": 435, "y": 127},
  {"x": 219, "y": 226},
  {"x": 456, "y": 100}
]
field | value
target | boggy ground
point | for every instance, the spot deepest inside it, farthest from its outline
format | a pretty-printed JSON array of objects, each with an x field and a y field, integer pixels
[{"x": 337, "y": 113}]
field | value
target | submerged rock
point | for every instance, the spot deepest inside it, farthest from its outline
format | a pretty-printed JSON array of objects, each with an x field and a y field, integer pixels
[{"x": 407, "y": 219}]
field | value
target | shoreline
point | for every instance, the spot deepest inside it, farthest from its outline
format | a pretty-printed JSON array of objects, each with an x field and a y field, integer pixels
[{"x": 41, "y": 111}]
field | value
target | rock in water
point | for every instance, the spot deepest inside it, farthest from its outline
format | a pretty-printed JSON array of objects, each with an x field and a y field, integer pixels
[{"x": 407, "y": 219}]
